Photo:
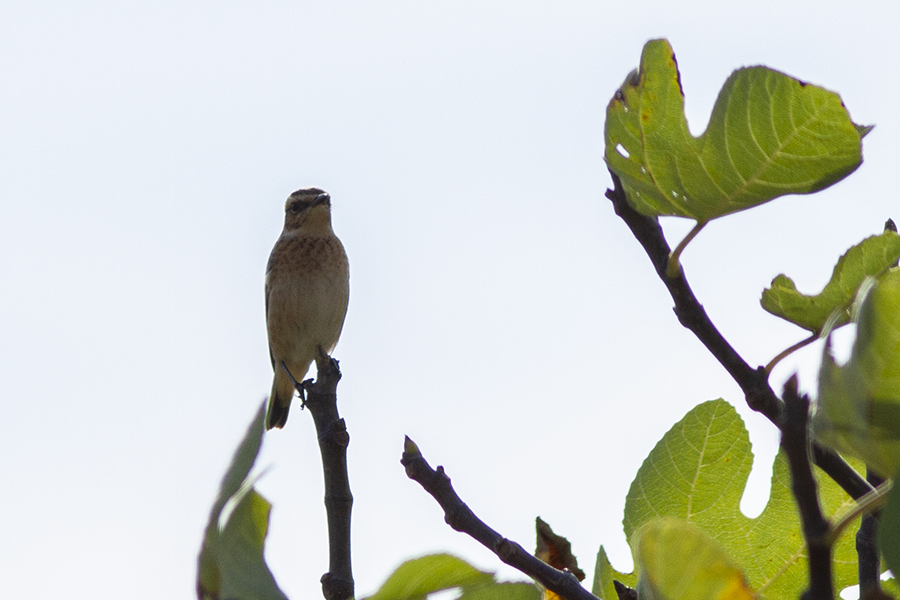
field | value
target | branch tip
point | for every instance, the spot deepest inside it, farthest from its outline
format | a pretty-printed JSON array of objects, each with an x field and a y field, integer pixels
[
  {"x": 461, "y": 518},
  {"x": 410, "y": 448}
]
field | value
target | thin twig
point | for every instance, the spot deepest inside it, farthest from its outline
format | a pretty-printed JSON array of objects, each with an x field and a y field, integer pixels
[
  {"x": 795, "y": 442},
  {"x": 321, "y": 400},
  {"x": 788, "y": 351},
  {"x": 461, "y": 518},
  {"x": 753, "y": 382}
]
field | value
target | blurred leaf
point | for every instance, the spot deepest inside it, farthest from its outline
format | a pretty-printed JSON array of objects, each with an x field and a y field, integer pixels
[
  {"x": 231, "y": 563},
  {"x": 890, "y": 587},
  {"x": 697, "y": 473},
  {"x": 769, "y": 135},
  {"x": 605, "y": 574},
  {"x": 871, "y": 257},
  {"x": 678, "y": 561},
  {"x": 419, "y": 577},
  {"x": 859, "y": 404},
  {"x": 555, "y": 550},
  {"x": 889, "y": 531},
  {"x": 503, "y": 591},
  {"x": 244, "y": 572}
]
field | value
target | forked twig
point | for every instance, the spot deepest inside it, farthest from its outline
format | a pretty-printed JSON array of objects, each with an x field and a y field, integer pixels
[{"x": 753, "y": 382}]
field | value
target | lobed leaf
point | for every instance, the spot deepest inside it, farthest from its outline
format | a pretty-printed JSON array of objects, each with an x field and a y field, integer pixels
[
  {"x": 697, "y": 473},
  {"x": 605, "y": 575},
  {"x": 870, "y": 258},
  {"x": 769, "y": 135}
]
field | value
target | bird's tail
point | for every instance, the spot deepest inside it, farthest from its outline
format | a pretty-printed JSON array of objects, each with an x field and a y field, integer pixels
[{"x": 277, "y": 412}]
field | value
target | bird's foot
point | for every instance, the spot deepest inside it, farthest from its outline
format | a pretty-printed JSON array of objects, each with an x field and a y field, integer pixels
[{"x": 301, "y": 388}]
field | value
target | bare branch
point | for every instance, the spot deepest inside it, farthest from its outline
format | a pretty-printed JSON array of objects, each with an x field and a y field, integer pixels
[
  {"x": 866, "y": 548},
  {"x": 753, "y": 382},
  {"x": 795, "y": 442},
  {"x": 461, "y": 518},
  {"x": 321, "y": 399}
]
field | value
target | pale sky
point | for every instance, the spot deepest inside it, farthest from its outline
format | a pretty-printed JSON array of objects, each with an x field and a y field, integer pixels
[{"x": 500, "y": 314}]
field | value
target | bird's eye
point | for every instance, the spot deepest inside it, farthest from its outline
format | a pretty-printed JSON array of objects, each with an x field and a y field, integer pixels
[{"x": 295, "y": 207}]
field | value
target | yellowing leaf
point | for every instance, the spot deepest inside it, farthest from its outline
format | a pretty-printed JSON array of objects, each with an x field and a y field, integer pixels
[{"x": 678, "y": 561}]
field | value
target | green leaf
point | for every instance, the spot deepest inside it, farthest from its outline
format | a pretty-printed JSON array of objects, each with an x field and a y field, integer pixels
[
  {"x": 889, "y": 531},
  {"x": 605, "y": 574},
  {"x": 870, "y": 258},
  {"x": 231, "y": 563},
  {"x": 769, "y": 135},
  {"x": 697, "y": 473},
  {"x": 244, "y": 572},
  {"x": 859, "y": 403},
  {"x": 891, "y": 587},
  {"x": 678, "y": 561},
  {"x": 419, "y": 577}
]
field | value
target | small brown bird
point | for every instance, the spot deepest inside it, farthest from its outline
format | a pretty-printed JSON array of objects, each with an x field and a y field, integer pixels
[{"x": 307, "y": 290}]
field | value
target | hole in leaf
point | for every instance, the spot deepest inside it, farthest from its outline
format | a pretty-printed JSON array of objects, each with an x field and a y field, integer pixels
[{"x": 621, "y": 150}]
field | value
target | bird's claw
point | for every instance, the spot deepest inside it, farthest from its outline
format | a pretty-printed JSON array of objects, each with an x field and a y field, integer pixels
[{"x": 301, "y": 388}]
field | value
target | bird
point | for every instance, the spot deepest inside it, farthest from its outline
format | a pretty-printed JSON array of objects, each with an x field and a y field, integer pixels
[{"x": 307, "y": 292}]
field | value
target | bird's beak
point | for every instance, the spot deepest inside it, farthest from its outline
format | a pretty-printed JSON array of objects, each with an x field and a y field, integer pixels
[{"x": 321, "y": 199}]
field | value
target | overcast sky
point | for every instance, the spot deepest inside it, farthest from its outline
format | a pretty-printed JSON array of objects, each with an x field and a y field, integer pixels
[{"x": 500, "y": 314}]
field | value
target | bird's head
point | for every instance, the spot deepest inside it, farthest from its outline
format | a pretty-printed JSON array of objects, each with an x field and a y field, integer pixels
[{"x": 308, "y": 210}]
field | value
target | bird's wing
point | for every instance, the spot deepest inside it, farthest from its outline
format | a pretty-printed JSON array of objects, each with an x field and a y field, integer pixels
[{"x": 269, "y": 268}]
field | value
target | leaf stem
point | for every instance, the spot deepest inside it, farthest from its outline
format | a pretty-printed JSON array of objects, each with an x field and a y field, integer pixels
[
  {"x": 788, "y": 351},
  {"x": 673, "y": 267}
]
